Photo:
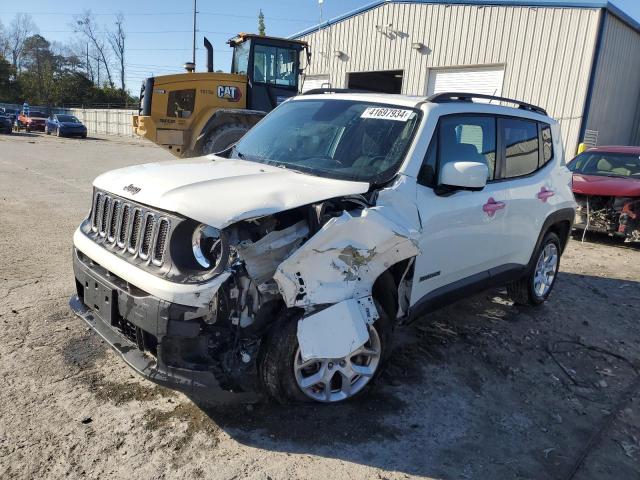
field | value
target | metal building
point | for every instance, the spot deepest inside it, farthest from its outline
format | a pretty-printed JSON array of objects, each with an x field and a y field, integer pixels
[{"x": 579, "y": 60}]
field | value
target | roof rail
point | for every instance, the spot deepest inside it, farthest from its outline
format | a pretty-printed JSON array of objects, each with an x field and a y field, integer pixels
[
  {"x": 317, "y": 91},
  {"x": 467, "y": 97}
]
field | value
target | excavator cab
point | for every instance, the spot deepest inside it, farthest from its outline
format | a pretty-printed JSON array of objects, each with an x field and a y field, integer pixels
[
  {"x": 197, "y": 113},
  {"x": 272, "y": 66}
]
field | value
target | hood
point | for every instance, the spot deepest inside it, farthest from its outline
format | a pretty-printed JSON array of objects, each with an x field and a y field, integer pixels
[
  {"x": 219, "y": 191},
  {"x": 606, "y": 186}
]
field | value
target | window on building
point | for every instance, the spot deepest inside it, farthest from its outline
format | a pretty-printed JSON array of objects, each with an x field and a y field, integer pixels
[
  {"x": 468, "y": 138},
  {"x": 520, "y": 138}
]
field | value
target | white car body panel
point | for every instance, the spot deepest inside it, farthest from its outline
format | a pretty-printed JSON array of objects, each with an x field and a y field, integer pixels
[
  {"x": 334, "y": 332},
  {"x": 201, "y": 188}
]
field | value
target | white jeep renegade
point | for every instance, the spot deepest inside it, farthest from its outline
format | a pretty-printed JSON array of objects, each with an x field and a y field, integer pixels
[{"x": 283, "y": 264}]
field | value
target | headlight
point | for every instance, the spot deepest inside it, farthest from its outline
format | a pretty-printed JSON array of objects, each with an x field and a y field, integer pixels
[{"x": 210, "y": 248}]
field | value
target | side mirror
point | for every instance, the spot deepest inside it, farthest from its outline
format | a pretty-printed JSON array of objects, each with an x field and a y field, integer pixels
[{"x": 464, "y": 176}]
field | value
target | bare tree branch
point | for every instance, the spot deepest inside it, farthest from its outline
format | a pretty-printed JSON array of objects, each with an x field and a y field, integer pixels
[
  {"x": 21, "y": 28},
  {"x": 117, "y": 39},
  {"x": 86, "y": 25}
]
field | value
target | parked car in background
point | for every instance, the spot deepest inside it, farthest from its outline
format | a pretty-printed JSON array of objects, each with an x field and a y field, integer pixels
[
  {"x": 34, "y": 120},
  {"x": 606, "y": 185},
  {"x": 64, "y": 125},
  {"x": 12, "y": 113},
  {"x": 6, "y": 125}
]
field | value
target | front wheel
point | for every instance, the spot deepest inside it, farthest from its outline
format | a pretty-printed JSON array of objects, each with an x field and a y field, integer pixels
[
  {"x": 535, "y": 287},
  {"x": 287, "y": 378}
]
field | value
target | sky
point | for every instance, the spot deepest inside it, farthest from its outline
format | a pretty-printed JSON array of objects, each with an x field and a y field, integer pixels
[{"x": 159, "y": 32}]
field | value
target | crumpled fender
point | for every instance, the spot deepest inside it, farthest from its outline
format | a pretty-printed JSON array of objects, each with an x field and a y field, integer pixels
[{"x": 349, "y": 253}]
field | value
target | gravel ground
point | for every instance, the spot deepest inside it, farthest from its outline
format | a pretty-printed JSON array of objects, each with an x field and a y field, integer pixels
[{"x": 481, "y": 389}]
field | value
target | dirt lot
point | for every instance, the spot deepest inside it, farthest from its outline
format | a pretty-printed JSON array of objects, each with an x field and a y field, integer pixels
[{"x": 480, "y": 390}]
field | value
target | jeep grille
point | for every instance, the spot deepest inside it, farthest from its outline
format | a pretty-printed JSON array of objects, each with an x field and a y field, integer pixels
[{"x": 130, "y": 229}]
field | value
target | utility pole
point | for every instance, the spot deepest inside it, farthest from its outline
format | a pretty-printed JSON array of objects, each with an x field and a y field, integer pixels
[{"x": 193, "y": 56}]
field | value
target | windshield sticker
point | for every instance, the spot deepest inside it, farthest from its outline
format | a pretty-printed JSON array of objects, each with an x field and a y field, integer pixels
[{"x": 384, "y": 113}]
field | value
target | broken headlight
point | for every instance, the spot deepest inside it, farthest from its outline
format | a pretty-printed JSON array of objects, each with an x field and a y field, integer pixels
[{"x": 210, "y": 248}]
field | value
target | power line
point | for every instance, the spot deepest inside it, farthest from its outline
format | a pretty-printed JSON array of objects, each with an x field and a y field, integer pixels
[{"x": 218, "y": 14}]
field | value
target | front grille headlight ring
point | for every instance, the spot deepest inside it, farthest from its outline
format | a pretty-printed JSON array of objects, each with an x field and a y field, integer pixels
[{"x": 210, "y": 248}]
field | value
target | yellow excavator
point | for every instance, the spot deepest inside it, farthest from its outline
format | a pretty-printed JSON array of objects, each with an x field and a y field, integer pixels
[{"x": 193, "y": 114}]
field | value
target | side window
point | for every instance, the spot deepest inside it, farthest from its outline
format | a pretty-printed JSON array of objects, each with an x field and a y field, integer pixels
[
  {"x": 427, "y": 173},
  {"x": 470, "y": 138},
  {"x": 547, "y": 143},
  {"x": 521, "y": 145},
  {"x": 181, "y": 103}
]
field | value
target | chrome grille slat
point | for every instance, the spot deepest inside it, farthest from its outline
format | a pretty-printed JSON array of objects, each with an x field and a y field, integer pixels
[
  {"x": 96, "y": 212},
  {"x": 124, "y": 225},
  {"x": 104, "y": 215},
  {"x": 161, "y": 240},
  {"x": 130, "y": 229},
  {"x": 135, "y": 231},
  {"x": 113, "y": 222},
  {"x": 147, "y": 235}
]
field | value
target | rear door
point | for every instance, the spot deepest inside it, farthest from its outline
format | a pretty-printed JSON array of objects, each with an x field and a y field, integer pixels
[
  {"x": 463, "y": 233},
  {"x": 527, "y": 153}
]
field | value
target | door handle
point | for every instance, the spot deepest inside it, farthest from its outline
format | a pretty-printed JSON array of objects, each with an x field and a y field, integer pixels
[
  {"x": 544, "y": 194},
  {"x": 491, "y": 207}
]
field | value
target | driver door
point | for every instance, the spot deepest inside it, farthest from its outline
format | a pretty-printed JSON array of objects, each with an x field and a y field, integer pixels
[{"x": 462, "y": 231}]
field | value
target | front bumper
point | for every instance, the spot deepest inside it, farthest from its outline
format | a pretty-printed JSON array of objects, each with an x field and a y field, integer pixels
[
  {"x": 73, "y": 132},
  {"x": 144, "y": 330}
]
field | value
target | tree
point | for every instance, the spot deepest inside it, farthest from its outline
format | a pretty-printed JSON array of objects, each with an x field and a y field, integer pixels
[
  {"x": 116, "y": 40},
  {"x": 20, "y": 29},
  {"x": 86, "y": 25},
  {"x": 4, "y": 42},
  {"x": 261, "y": 28}
]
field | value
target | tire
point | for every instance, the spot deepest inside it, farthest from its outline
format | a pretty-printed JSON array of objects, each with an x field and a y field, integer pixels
[
  {"x": 527, "y": 291},
  {"x": 223, "y": 137},
  {"x": 84, "y": 135},
  {"x": 276, "y": 364}
]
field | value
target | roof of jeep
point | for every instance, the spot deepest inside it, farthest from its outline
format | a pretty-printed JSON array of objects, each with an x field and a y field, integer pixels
[
  {"x": 386, "y": 98},
  {"x": 415, "y": 101}
]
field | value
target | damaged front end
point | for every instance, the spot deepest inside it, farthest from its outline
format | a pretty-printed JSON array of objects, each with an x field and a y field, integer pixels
[
  {"x": 312, "y": 263},
  {"x": 617, "y": 216}
]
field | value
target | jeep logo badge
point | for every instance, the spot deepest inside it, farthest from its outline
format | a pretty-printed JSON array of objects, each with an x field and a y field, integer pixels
[
  {"x": 232, "y": 94},
  {"x": 132, "y": 189}
]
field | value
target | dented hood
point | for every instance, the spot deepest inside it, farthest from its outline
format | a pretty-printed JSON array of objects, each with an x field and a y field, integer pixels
[{"x": 219, "y": 191}]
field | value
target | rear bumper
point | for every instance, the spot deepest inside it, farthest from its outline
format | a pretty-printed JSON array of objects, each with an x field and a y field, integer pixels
[{"x": 138, "y": 327}]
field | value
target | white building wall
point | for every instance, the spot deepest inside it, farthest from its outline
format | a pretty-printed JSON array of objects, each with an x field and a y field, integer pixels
[{"x": 547, "y": 52}]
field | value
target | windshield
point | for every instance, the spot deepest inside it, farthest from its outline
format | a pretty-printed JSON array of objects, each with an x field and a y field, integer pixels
[
  {"x": 606, "y": 164},
  {"x": 68, "y": 118},
  {"x": 240, "y": 63},
  {"x": 341, "y": 139}
]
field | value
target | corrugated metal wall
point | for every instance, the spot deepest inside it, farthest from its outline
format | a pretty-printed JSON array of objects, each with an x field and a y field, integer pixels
[
  {"x": 615, "y": 103},
  {"x": 547, "y": 52}
]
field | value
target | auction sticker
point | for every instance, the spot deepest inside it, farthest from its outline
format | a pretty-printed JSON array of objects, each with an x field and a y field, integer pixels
[{"x": 384, "y": 113}]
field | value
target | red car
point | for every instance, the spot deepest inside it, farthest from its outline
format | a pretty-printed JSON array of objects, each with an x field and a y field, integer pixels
[
  {"x": 34, "y": 121},
  {"x": 606, "y": 185}
]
